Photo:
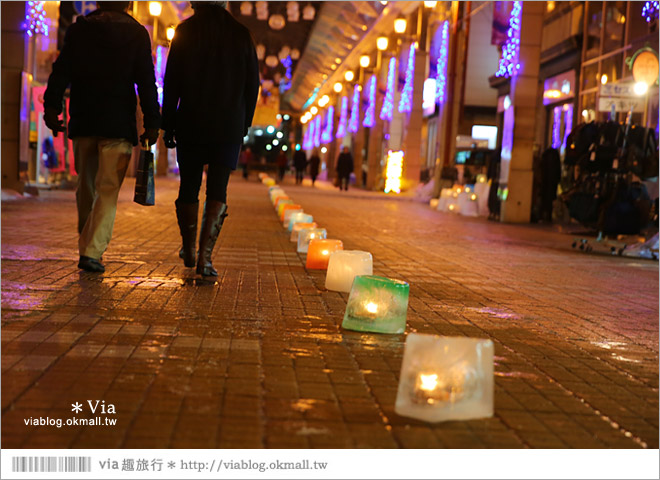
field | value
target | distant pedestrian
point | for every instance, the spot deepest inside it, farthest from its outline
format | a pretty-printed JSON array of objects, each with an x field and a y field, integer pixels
[
  {"x": 344, "y": 168},
  {"x": 300, "y": 164},
  {"x": 245, "y": 160},
  {"x": 104, "y": 55},
  {"x": 314, "y": 165},
  {"x": 550, "y": 176},
  {"x": 210, "y": 94},
  {"x": 282, "y": 161}
]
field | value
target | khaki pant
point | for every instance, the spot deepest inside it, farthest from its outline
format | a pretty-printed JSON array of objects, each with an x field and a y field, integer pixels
[{"x": 101, "y": 164}]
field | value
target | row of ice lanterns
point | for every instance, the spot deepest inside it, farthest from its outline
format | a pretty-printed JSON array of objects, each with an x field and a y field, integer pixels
[
  {"x": 442, "y": 378},
  {"x": 466, "y": 200}
]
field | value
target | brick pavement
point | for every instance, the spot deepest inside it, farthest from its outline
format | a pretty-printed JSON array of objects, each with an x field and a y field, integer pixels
[{"x": 258, "y": 359}]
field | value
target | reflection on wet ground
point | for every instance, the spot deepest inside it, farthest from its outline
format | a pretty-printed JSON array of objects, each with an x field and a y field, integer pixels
[{"x": 258, "y": 358}]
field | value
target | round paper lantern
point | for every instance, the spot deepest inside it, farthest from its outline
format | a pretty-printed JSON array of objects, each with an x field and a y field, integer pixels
[
  {"x": 261, "y": 51},
  {"x": 276, "y": 22},
  {"x": 246, "y": 8},
  {"x": 295, "y": 54},
  {"x": 285, "y": 52},
  {"x": 262, "y": 10},
  {"x": 309, "y": 12},
  {"x": 272, "y": 61},
  {"x": 267, "y": 84}
]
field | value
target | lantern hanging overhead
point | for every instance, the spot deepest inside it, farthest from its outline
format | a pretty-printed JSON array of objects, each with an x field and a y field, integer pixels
[
  {"x": 295, "y": 54},
  {"x": 272, "y": 61},
  {"x": 262, "y": 10},
  {"x": 276, "y": 22},
  {"x": 292, "y": 11},
  {"x": 309, "y": 12},
  {"x": 246, "y": 8},
  {"x": 284, "y": 52},
  {"x": 261, "y": 51}
]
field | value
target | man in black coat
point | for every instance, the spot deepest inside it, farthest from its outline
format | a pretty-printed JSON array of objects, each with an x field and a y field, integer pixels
[
  {"x": 300, "y": 163},
  {"x": 344, "y": 168},
  {"x": 105, "y": 54},
  {"x": 210, "y": 94}
]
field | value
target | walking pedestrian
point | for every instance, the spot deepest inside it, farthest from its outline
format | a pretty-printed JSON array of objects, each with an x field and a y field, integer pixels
[
  {"x": 300, "y": 163},
  {"x": 104, "y": 55},
  {"x": 245, "y": 160},
  {"x": 314, "y": 165},
  {"x": 344, "y": 168},
  {"x": 210, "y": 93},
  {"x": 281, "y": 161}
]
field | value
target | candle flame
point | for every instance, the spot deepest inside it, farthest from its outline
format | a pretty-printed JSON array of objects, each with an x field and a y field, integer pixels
[
  {"x": 372, "y": 307},
  {"x": 473, "y": 197},
  {"x": 324, "y": 252},
  {"x": 311, "y": 236},
  {"x": 428, "y": 382},
  {"x": 467, "y": 189}
]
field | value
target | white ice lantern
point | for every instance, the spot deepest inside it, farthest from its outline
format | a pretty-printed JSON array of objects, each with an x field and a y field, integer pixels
[
  {"x": 446, "y": 378},
  {"x": 307, "y": 235},
  {"x": 344, "y": 266},
  {"x": 467, "y": 203},
  {"x": 299, "y": 217},
  {"x": 287, "y": 216}
]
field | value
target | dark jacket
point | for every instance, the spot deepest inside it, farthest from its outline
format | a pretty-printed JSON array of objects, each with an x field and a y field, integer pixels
[
  {"x": 345, "y": 164},
  {"x": 300, "y": 160},
  {"x": 105, "y": 54},
  {"x": 314, "y": 164},
  {"x": 212, "y": 79}
]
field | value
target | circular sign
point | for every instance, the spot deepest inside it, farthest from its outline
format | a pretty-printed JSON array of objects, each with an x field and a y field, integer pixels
[{"x": 645, "y": 68}]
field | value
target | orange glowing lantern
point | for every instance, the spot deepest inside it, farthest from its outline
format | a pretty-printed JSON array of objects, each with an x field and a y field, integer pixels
[{"x": 318, "y": 252}]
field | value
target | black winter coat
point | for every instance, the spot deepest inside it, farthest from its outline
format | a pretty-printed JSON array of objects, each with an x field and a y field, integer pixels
[
  {"x": 212, "y": 79},
  {"x": 105, "y": 54},
  {"x": 300, "y": 160},
  {"x": 345, "y": 164}
]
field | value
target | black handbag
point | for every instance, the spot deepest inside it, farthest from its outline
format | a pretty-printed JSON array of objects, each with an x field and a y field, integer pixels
[{"x": 145, "y": 190}]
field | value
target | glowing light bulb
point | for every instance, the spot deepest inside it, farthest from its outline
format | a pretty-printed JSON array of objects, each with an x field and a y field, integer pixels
[
  {"x": 170, "y": 33},
  {"x": 382, "y": 43},
  {"x": 338, "y": 87},
  {"x": 155, "y": 9},
  {"x": 314, "y": 110},
  {"x": 349, "y": 76},
  {"x": 400, "y": 25},
  {"x": 364, "y": 61},
  {"x": 603, "y": 79}
]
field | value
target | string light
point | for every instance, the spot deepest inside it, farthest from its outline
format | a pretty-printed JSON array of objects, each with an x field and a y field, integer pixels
[
  {"x": 650, "y": 11},
  {"x": 343, "y": 118},
  {"x": 326, "y": 136},
  {"x": 160, "y": 60},
  {"x": 306, "y": 143},
  {"x": 317, "y": 130},
  {"x": 35, "y": 19},
  {"x": 441, "y": 80},
  {"x": 388, "y": 102},
  {"x": 405, "y": 104},
  {"x": 354, "y": 122},
  {"x": 510, "y": 61},
  {"x": 370, "y": 113},
  {"x": 556, "y": 126},
  {"x": 568, "y": 123}
]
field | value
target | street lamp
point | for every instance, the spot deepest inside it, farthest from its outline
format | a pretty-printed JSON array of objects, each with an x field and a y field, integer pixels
[
  {"x": 430, "y": 4},
  {"x": 400, "y": 25},
  {"x": 170, "y": 33},
  {"x": 349, "y": 76},
  {"x": 338, "y": 87},
  {"x": 155, "y": 9},
  {"x": 364, "y": 61},
  {"x": 382, "y": 43}
]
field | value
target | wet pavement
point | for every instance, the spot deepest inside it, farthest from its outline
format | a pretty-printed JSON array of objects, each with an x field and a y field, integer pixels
[{"x": 259, "y": 359}]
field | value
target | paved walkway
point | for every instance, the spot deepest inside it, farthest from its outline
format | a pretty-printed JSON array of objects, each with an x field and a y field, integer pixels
[{"x": 259, "y": 359}]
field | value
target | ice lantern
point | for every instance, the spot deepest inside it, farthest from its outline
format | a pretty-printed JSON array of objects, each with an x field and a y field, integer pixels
[
  {"x": 344, "y": 266},
  {"x": 319, "y": 251},
  {"x": 298, "y": 227},
  {"x": 308, "y": 234},
  {"x": 288, "y": 206},
  {"x": 299, "y": 217},
  {"x": 286, "y": 218},
  {"x": 377, "y": 304},
  {"x": 283, "y": 205},
  {"x": 446, "y": 378}
]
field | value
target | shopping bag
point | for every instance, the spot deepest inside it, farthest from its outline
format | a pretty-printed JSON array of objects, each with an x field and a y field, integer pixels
[{"x": 145, "y": 190}]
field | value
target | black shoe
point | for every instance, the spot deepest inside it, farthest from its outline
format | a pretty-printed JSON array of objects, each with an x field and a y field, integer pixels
[
  {"x": 90, "y": 265},
  {"x": 214, "y": 216},
  {"x": 186, "y": 214}
]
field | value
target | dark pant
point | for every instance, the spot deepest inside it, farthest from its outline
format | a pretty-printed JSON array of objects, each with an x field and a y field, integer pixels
[
  {"x": 313, "y": 179},
  {"x": 191, "y": 162},
  {"x": 280, "y": 173},
  {"x": 245, "y": 171},
  {"x": 343, "y": 182},
  {"x": 299, "y": 175}
]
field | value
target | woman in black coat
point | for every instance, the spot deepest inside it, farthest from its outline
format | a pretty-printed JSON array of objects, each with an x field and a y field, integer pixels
[
  {"x": 344, "y": 168},
  {"x": 210, "y": 93},
  {"x": 314, "y": 165}
]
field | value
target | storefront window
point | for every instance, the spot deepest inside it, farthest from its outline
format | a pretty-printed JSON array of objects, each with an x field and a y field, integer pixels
[
  {"x": 594, "y": 25},
  {"x": 588, "y": 113},
  {"x": 615, "y": 24},
  {"x": 590, "y": 77},
  {"x": 611, "y": 66}
]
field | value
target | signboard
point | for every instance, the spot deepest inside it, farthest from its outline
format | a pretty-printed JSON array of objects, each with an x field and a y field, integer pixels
[
  {"x": 559, "y": 88},
  {"x": 621, "y": 104},
  {"x": 625, "y": 90},
  {"x": 645, "y": 67},
  {"x": 83, "y": 8}
]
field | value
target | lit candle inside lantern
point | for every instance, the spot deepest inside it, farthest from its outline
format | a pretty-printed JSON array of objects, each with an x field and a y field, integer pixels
[
  {"x": 344, "y": 266},
  {"x": 473, "y": 197},
  {"x": 298, "y": 227},
  {"x": 286, "y": 218},
  {"x": 308, "y": 234},
  {"x": 467, "y": 190},
  {"x": 318, "y": 252},
  {"x": 434, "y": 202},
  {"x": 287, "y": 206},
  {"x": 299, "y": 217},
  {"x": 377, "y": 304},
  {"x": 446, "y": 378}
]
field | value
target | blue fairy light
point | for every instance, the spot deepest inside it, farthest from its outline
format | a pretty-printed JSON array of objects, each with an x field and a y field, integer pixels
[
  {"x": 510, "y": 61},
  {"x": 388, "y": 102}
]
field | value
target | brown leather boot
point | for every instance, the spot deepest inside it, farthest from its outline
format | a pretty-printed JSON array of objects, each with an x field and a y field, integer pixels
[
  {"x": 186, "y": 215},
  {"x": 214, "y": 216}
]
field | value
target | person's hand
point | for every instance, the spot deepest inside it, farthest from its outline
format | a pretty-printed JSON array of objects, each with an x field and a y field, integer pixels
[
  {"x": 168, "y": 138},
  {"x": 150, "y": 135},
  {"x": 52, "y": 121}
]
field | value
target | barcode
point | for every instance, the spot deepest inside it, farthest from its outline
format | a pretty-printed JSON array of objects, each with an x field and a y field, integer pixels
[{"x": 51, "y": 464}]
